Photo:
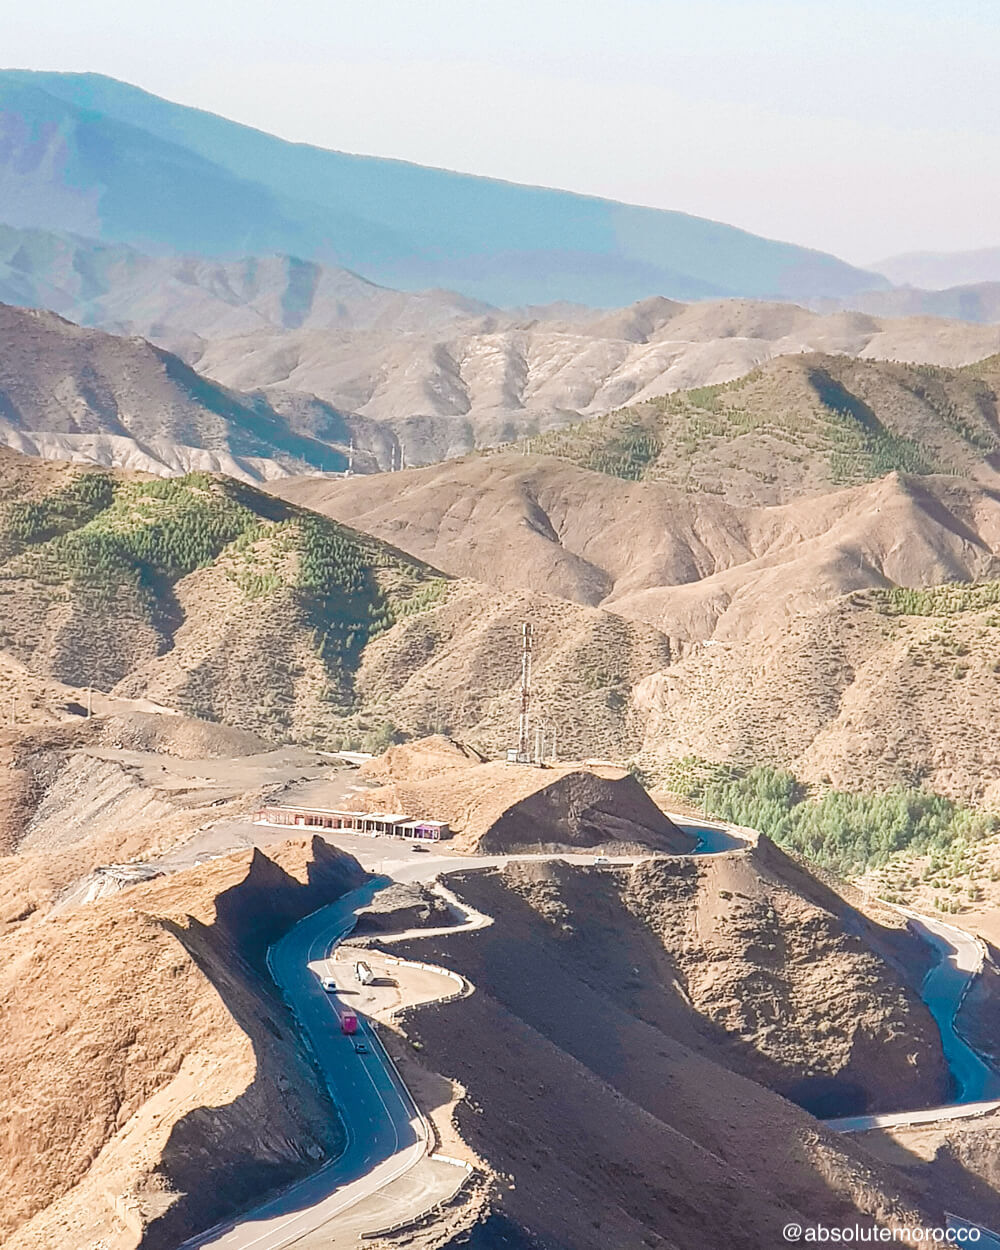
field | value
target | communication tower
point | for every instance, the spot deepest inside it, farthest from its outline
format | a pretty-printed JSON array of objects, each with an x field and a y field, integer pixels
[{"x": 522, "y": 755}]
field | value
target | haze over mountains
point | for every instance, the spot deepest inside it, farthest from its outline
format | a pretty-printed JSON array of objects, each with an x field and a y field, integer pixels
[
  {"x": 709, "y": 471},
  {"x": 410, "y": 377},
  {"x": 938, "y": 270},
  {"x": 99, "y": 157}
]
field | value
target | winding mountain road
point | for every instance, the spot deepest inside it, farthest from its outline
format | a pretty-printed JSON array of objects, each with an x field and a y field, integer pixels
[
  {"x": 387, "y": 1136},
  {"x": 977, "y": 1082}
]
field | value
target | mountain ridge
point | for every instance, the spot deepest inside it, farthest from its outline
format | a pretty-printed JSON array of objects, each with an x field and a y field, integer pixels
[{"x": 402, "y": 224}]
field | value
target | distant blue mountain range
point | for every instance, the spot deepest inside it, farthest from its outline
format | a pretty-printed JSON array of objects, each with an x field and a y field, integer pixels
[{"x": 88, "y": 154}]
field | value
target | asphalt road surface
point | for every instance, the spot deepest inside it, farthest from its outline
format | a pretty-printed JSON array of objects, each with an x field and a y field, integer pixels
[
  {"x": 978, "y": 1084},
  {"x": 385, "y": 1132}
]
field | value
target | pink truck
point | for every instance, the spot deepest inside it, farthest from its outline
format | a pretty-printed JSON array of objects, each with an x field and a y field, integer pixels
[{"x": 349, "y": 1023}]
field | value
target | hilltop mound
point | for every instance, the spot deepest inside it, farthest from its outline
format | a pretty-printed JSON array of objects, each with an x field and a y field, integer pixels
[
  {"x": 501, "y": 808},
  {"x": 421, "y": 759}
]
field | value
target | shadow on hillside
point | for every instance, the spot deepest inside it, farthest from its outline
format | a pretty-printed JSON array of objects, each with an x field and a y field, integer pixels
[
  {"x": 219, "y": 1160},
  {"x": 947, "y": 1178},
  {"x": 596, "y": 968}
]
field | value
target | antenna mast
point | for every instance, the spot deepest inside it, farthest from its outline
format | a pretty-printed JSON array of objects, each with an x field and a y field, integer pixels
[{"x": 523, "y": 736}]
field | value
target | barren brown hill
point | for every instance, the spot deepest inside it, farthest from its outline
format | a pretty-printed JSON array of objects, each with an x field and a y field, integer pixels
[
  {"x": 693, "y": 565},
  {"x": 171, "y": 1095},
  {"x": 500, "y": 808},
  {"x": 650, "y": 1009},
  {"x": 500, "y": 378},
  {"x": 80, "y": 394}
]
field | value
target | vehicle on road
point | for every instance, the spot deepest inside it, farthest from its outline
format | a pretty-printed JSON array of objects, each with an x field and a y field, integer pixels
[
  {"x": 417, "y": 847},
  {"x": 349, "y": 1023},
  {"x": 601, "y": 859},
  {"x": 361, "y": 1048},
  {"x": 364, "y": 973},
  {"x": 329, "y": 984}
]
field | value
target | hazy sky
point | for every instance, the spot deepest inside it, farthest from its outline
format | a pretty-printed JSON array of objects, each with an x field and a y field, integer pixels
[{"x": 863, "y": 127}]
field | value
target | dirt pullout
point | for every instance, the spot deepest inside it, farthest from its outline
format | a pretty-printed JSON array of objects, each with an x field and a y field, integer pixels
[
  {"x": 401, "y": 907},
  {"x": 499, "y": 808},
  {"x": 601, "y": 1019},
  {"x": 151, "y": 1078}
]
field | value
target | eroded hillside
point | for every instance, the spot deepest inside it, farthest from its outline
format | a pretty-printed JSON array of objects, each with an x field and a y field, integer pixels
[
  {"x": 694, "y": 565},
  {"x": 503, "y": 377},
  {"x": 162, "y": 1055},
  {"x": 80, "y": 394},
  {"x": 647, "y": 1011},
  {"x": 202, "y": 595}
]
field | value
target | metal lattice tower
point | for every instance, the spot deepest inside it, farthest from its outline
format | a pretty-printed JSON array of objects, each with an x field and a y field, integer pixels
[{"x": 523, "y": 733}]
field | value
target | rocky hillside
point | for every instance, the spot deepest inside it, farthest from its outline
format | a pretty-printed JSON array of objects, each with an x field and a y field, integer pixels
[
  {"x": 654, "y": 1011},
  {"x": 888, "y": 688},
  {"x": 502, "y": 377},
  {"x": 76, "y": 394},
  {"x": 161, "y": 1058},
  {"x": 202, "y": 595}
]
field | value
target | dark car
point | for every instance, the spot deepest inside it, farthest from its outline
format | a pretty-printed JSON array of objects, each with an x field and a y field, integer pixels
[
  {"x": 417, "y": 847},
  {"x": 361, "y": 1048}
]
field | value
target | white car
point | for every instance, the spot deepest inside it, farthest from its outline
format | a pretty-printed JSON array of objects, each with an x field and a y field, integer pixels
[
  {"x": 329, "y": 984},
  {"x": 601, "y": 859}
]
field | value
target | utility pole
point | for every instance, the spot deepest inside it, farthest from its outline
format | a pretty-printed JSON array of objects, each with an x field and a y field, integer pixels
[
  {"x": 350, "y": 460},
  {"x": 90, "y": 702},
  {"x": 553, "y": 748},
  {"x": 539, "y": 742}
]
